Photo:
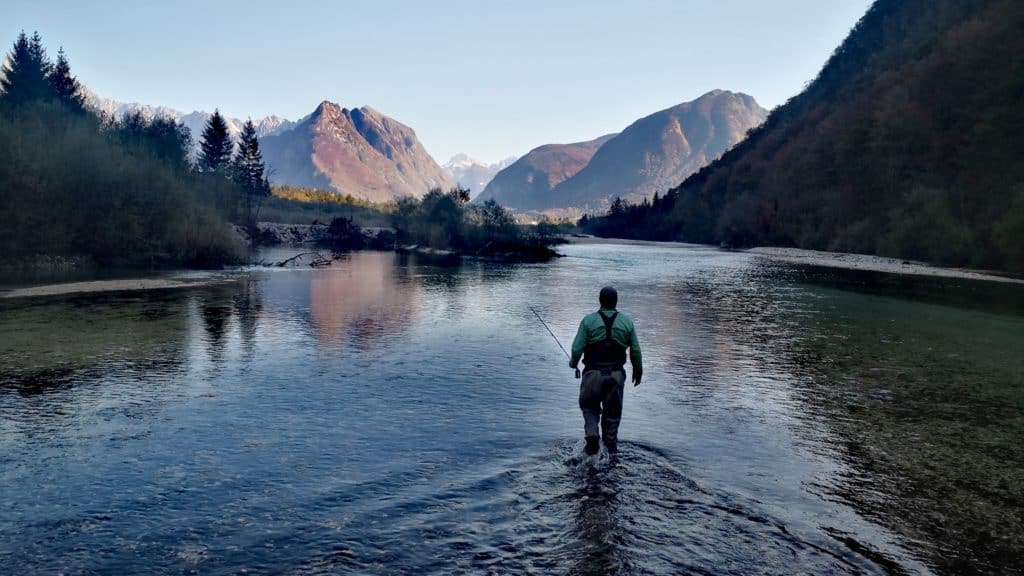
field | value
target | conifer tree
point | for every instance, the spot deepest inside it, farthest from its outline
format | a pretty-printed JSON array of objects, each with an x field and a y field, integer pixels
[
  {"x": 24, "y": 77},
  {"x": 248, "y": 162},
  {"x": 64, "y": 85},
  {"x": 216, "y": 146},
  {"x": 248, "y": 171}
]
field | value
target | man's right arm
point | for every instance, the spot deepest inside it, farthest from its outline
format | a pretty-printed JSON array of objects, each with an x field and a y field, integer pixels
[{"x": 635, "y": 357}]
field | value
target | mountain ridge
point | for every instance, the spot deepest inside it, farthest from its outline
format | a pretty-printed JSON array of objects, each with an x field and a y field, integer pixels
[
  {"x": 195, "y": 120},
  {"x": 527, "y": 182},
  {"x": 356, "y": 151},
  {"x": 653, "y": 153},
  {"x": 659, "y": 150}
]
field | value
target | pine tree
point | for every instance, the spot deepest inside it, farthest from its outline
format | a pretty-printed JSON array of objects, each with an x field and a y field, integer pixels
[
  {"x": 248, "y": 171},
  {"x": 248, "y": 166},
  {"x": 64, "y": 85},
  {"x": 216, "y": 146},
  {"x": 24, "y": 77}
]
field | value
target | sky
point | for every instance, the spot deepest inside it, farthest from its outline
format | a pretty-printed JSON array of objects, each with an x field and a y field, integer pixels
[{"x": 490, "y": 79}]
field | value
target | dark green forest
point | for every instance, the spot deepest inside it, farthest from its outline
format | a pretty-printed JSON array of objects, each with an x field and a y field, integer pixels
[
  {"x": 909, "y": 143},
  {"x": 115, "y": 191}
]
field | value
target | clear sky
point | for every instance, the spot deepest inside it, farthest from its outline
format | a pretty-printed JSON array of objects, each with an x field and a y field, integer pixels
[{"x": 492, "y": 79}]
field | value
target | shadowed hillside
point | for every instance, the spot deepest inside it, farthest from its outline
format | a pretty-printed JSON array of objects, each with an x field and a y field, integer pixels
[
  {"x": 908, "y": 144},
  {"x": 657, "y": 151},
  {"x": 528, "y": 182},
  {"x": 654, "y": 153}
]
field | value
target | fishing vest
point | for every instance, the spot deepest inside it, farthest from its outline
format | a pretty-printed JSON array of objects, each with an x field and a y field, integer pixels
[{"x": 605, "y": 354}]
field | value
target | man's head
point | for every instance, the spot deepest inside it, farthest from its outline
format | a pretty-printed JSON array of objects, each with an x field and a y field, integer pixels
[{"x": 608, "y": 297}]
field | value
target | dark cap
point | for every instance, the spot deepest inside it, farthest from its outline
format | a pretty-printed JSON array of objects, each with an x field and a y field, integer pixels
[{"x": 608, "y": 297}]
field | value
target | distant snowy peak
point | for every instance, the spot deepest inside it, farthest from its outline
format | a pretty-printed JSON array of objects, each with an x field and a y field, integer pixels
[
  {"x": 474, "y": 174},
  {"x": 195, "y": 121},
  {"x": 461, "y": 160}
]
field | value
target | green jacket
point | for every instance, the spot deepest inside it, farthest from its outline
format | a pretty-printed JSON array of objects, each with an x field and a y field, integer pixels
[{"x": 592, "y": 330}]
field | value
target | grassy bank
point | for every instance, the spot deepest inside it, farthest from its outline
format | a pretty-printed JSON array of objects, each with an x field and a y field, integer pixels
[{"x": 293, "y": 205}]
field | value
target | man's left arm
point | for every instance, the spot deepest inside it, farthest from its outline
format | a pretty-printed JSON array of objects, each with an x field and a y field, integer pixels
[{"x": 578, "y": 344}]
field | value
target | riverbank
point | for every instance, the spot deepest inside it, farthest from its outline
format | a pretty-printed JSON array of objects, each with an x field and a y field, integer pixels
[
  {"x": 864, "y": 262},
  {"x": 118, "y": 285},
  {"x": 587, "y": 239},
  {"x": 873, "y": 264}
]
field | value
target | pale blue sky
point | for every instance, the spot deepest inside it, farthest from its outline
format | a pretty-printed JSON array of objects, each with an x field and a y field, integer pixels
[{"x": 492, "y": 79}]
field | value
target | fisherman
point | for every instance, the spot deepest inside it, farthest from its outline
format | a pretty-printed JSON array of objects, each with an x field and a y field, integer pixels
[{"x": 602, "y": 340}]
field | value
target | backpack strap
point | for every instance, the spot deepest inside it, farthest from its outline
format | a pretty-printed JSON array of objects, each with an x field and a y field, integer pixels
[{"x": 608, "y": 323}]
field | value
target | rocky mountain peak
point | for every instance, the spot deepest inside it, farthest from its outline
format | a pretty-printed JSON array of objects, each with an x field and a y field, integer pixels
[
  {"x": 327, "y": 111},
  {"x": 356, "y": 151}
]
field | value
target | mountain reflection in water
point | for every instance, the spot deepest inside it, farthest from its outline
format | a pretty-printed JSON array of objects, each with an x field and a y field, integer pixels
[{"x": 362, "y": 299}]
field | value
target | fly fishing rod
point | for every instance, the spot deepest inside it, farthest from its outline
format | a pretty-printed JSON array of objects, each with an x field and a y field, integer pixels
[{"x": 553, "y": 336}]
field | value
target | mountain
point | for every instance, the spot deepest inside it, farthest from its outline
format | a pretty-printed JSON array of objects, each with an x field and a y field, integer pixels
[
  {"x": 658, "y": 151},
  {"x": 908, "y": 143},
  {"x": 654, "y": 153},
  {"x": 355, "y": 151},
  {"x": 195, "y": 121},
  {"x": 359, "y": 152},
  {"x": 528, "y": 182},
  {"x": 474, "y": 174}
]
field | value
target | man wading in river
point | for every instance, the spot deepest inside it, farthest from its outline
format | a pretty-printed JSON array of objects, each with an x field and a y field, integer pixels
[{"x": 602, "y": 341}]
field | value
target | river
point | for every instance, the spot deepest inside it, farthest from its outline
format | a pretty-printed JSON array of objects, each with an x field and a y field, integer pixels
[{"x": 387, "y": 416}]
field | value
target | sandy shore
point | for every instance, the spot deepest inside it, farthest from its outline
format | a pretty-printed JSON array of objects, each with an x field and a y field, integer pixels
[
  {"x": 122, "y": 285},
  {"x": 872, "y": 263}
]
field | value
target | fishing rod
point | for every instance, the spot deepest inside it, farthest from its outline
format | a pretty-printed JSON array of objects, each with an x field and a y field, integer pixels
[{"x": 557, "y": 341}]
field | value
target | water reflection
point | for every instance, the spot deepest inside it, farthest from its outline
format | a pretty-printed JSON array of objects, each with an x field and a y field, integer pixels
[
  {"x": 215, "y": 319},
  {"x": 362, "y": 299},
  {"x": 596, "y": 525},
  {"x": 248, "y": 306}
]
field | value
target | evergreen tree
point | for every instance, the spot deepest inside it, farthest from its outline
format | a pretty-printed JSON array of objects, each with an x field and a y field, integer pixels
[
  {"x": 248, "y": 166},
  {"x": 24, "y": 77},
  {"x": 216, "y": 146},
  {"x": 64, "y": 85},
  {"x": 248, "y": 171}
]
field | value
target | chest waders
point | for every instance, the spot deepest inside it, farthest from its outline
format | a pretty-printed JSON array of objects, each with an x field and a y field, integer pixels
[
  {"x": 601, "y": 389},
  {"x": 607, "y": 354}
]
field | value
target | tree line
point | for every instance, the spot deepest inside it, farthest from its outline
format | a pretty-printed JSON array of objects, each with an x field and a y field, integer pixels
[
  {"x": 124, "y": 191},
  {"x": 447, "y": 221}
]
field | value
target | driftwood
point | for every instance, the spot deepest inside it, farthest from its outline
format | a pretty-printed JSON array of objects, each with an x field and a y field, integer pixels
[{"x": 319, "y": 260}]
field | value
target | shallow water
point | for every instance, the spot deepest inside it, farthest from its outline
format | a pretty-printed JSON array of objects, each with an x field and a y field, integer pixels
[{"x": 388, "y": 416}]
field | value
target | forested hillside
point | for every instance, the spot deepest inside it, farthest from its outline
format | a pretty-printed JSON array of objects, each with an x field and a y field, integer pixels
[
  {"x": 122, "y": 192},
  {"x": 909, "y": 143}
]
